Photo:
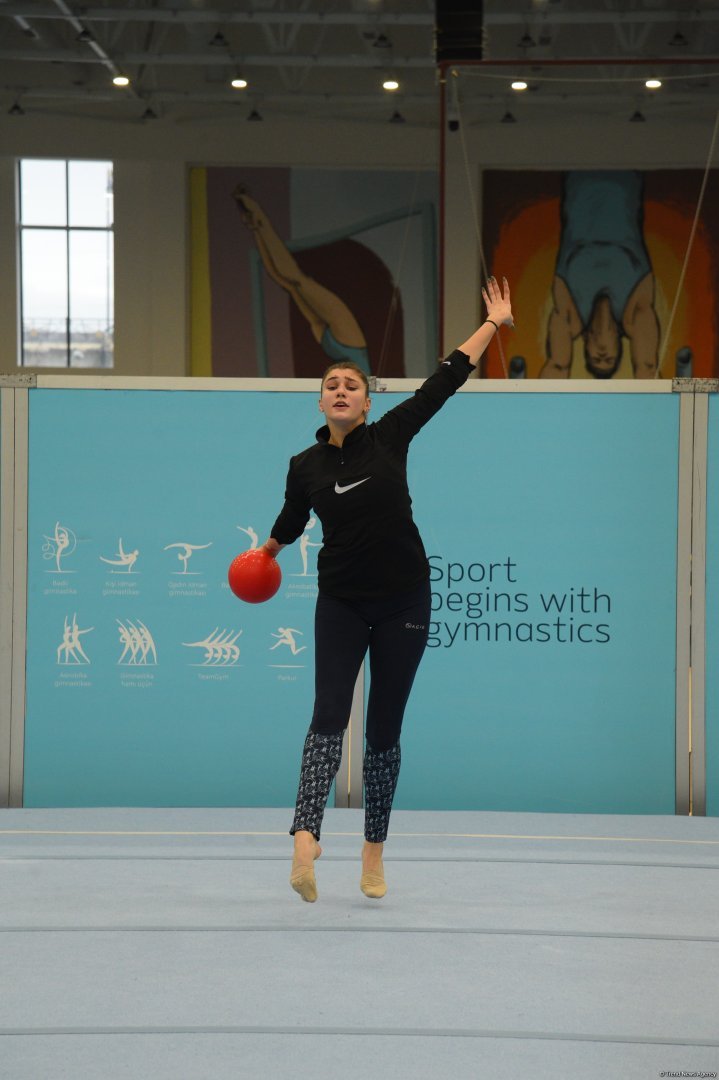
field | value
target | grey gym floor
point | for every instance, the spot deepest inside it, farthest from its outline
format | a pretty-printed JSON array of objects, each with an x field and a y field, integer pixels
[{"x": 167, "y": 944}]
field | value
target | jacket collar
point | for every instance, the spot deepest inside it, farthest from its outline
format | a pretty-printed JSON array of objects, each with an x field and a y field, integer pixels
[{"x": 323, "y": 435}]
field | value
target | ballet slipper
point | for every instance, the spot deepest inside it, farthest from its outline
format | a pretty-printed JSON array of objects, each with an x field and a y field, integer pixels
[
  {"x": 373, "y": 884},
  {"x": 302, "y": 878}
]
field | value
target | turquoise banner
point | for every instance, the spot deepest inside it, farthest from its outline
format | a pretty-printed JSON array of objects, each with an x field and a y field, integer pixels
[
  {"x": 148, "y": 682},
  {"x": 548, "y": 684}
]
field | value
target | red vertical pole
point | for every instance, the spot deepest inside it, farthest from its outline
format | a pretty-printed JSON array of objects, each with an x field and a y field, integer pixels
[{"x": 442, "y": 197}]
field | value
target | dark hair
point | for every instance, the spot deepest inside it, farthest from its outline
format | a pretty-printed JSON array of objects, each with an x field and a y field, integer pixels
[
  {"x": 352, "y": 367},
  {"x": 591, "y": 365}
]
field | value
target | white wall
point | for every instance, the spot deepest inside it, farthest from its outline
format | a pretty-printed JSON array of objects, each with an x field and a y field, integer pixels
[{"x": 151, "y": 162}]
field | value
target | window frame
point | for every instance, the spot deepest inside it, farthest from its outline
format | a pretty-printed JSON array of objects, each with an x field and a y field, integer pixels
[{"x": 67, "y": 229}]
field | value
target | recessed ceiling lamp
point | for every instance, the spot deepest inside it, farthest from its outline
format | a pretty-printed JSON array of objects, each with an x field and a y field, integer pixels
[
  {"x": 239, "y": 84},
  {"x": 121, "y": 80},
  {"x": 390, "y": 84},
  {"x": 653, "y": 84},
  {"x": 519, "y": 84}
]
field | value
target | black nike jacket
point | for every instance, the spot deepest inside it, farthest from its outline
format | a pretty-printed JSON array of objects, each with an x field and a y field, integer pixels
[{"x": 371, "y": 545}]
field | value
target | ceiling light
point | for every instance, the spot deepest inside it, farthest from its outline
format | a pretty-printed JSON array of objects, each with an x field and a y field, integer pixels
[
  {"x": 519, "y": 84},
  {"x": 16, "y": 110},
  {"x": 121, "y": 80},
  {"x": 239, "y": 84},
  {"x": 254, "y": 116},
  {"x": 653, "y": 84},
  {"x": 390, "y": 84},
  {"x": 508, "y": 118},
  {"x": 637, "y": 117}
]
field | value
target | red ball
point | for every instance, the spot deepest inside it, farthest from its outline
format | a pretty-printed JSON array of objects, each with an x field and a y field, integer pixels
[{"x": 254, "y": 576}]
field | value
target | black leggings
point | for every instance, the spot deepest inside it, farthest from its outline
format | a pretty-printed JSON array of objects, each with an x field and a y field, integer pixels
[{"x": 395, "y": 631}]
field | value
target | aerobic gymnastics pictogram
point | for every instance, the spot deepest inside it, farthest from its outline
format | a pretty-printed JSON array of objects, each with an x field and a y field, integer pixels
[{"x": 70, "y": 651}]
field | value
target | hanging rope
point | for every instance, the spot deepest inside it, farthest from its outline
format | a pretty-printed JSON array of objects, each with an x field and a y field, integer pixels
[
  {"x": 680, "y": 283},
  {"x": 473, "y": 203},
  {"x": 392, "y": 311}
]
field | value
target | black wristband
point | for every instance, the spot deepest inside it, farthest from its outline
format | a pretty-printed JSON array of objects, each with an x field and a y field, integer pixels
[{"x": 493, "y": 324}]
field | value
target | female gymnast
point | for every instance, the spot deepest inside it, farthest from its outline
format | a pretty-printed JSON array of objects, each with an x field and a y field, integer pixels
[{"x": 373, "y": 579}]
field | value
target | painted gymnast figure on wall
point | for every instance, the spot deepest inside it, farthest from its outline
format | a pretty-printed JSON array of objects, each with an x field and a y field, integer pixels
[
  {"x": 597, "y": 257},
  {"x": 333, "y": 326},
  {"x": 293, "y": 269},
  {"x": 603, "y": 286}
]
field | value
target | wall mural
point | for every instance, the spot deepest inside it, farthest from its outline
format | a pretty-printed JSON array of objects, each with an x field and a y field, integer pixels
[
  {"x": 594, "y": 258},
  {"x": 295, "y": 268}
]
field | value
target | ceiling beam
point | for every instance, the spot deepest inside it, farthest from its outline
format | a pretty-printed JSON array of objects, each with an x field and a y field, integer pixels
[
  {"x": 229, "y": 59},
  {"x": 224, "y": 59},
  {"x": 476, "y": 110},
  {"x": 180, "y": 15},
  {"x": 225, "y": 18},
  {"x": 65, "y": 13}
]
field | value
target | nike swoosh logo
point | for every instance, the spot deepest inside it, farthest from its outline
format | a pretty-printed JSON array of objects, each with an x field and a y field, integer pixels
[{"x": 347, "y": 487}]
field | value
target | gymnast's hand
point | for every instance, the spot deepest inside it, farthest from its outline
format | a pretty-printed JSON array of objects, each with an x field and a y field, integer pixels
[
  {"x": 272, "y": 547},
  {"x": 499, "y": 305},
  {"x": 250, "y": 210}
]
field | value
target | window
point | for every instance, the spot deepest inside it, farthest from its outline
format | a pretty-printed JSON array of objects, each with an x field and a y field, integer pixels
[{"x": 66, "y": 263}]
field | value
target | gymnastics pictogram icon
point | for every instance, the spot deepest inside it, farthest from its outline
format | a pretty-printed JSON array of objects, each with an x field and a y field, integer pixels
[
  {"x": 254, "y": 538},
  {"x": 305, "y": 545},
  {"x": 286, "y": 636},
  {"x": 70, "y": 651},
  {"x": 185, "y": 554},
  {"x": 138, "y": 644},
  {"x": 58, "y": 547},
  {"x": 123, "y": 559},
  {"x": 220, "y": 648}
]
